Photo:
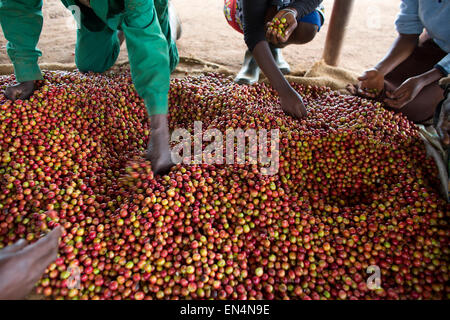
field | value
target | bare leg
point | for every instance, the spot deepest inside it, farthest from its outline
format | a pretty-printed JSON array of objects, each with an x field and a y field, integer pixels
[{"x": 304, "y": 33}]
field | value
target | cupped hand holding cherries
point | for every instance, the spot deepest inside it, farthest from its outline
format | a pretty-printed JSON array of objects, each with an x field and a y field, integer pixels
[{"x": 280, "y": 28}]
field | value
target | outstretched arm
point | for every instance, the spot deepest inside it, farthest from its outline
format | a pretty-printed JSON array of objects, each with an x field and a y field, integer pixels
[
  {"x": 150, "y": 65},
  {"x": 21, "y": 22},
  {"x": 409, "y": 27},
  {"x": 402, "y": 48},
  {"x": 255, "y": 38},
  {"x": 290, "y": 100},
  {"x": 148, "y": 53},
  {"x": 371, "y": 82}
]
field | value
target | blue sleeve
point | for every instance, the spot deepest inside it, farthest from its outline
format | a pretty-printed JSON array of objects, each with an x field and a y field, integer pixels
[
  {"x": 444, "y": 65},
  {"x": 408, "y": 20}
]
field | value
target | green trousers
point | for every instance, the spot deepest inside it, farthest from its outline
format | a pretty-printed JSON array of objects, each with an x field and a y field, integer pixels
[{"x": 152, "y": 52}]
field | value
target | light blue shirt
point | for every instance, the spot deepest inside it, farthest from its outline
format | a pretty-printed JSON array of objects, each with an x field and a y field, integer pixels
[{"x": 434, "y": 16}]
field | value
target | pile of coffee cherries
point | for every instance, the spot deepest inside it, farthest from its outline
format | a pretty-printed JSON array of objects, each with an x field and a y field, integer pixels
[
  {"x": 353, "y": 210},
  {"x": 279, "y": 25}
]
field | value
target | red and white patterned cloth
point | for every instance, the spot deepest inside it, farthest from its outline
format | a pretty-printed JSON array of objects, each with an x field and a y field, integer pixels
[{"x": 234, "y": 14}]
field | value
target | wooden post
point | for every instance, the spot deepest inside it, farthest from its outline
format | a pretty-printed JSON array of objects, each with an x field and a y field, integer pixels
[{"x": 340, "y": 17}]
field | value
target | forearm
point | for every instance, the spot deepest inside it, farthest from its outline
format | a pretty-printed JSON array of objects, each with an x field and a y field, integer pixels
[
  {"x": 430, "y": 77},
  {"x": 22, "y": 24},
  {"x": 402, "y": 48},
  {"x": 265, "y": 60}
]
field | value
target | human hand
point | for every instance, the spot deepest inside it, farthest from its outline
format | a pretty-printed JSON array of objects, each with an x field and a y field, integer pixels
[
  {"x": 371, "y": 83},
  {"x": 292, "y": 104},
  {"x": 20, "y": 91},
  {"x": 22, "y": 264},
  {"x": 283, "y": 20},
  {"x": 158, "y": 150},
  {"x": 404, "y": 94}
]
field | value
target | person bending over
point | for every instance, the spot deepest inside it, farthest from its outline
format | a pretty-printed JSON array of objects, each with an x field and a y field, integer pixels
[
  {"x": 302, "y": 20},
  {"x": 406, "y": 79},
  {"x": 152, "y": 52}
]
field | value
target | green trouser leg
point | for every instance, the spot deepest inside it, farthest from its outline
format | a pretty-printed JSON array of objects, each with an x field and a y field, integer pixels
[
  {"x": 162, "y": 9},
  {"x": 97, "y": 46},
  {"x": 148, "y": 53},
  {"x": 21, "y": 22}
]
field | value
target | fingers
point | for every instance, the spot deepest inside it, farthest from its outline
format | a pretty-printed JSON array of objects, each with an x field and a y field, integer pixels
[
  {"x": 269, "y": 29},
  {"x": 303, "y": 113},
  {"x": 17, "y": 246},
  {"x": 289, "y": 31},
  {"x": 398, "y": 98},
  {"x": 12, "y": 93},
  {"x": 292, "y": 111},
  {"x": 274, "y": 37},
  {"x": 353, "y": 89},
  {"x": 297, "y": 114},
  {"x": 21, "y": 91},
  {"x": 398, "y": 94},
  {"x": 280, "y": 28},
  {"x": 365, "y": 93},
  {"x": 368, "y": 74},
  {"x": 395, "y": 104},
  {"x": 269, "y": 35},
  {"x": 363, "y": 77},
  {"x": 365, "y": 87},
  {"x": 281, "y": 39},
  {"x": 296, "y": 111}
]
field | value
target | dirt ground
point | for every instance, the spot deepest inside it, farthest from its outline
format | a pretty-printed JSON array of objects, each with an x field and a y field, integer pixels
[{"x": 207, "y": 36}]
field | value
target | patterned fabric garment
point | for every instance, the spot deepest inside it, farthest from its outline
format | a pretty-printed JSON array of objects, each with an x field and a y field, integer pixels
[{"x": 234, "y": 13}]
